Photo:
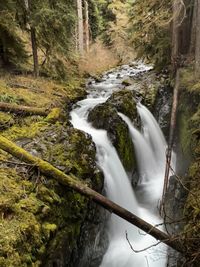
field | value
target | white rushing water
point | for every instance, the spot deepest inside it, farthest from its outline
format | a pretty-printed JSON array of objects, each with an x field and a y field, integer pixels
[{"x": 150, "y": 148}]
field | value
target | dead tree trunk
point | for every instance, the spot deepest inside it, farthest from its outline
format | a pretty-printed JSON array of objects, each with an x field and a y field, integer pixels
[
  {"x": 87, "y": 36},
  {"x": 171, "y": 137},
  {"x": 23, "y": 110},
  {"x": 27, "y": 4},
  {"x": 50, "y": 171},
  {"x": 35, "y": 54},
  {"x": 197, "y": 43},
  {"x": 80, "y": 26},
  {"x": 177, "y": 19},
  {"x": 175, "y": 34},
  {"x": 193, "y": 30}
]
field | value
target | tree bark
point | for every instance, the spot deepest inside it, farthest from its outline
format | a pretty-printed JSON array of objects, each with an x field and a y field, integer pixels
[
  {"x": 80, "y": 26},
  {"x": 193, "y": 29},
  {"x": 171, "y": 137},
  {"x": 27, "y": 5},
  {"x": 175, "y": 34},
  {"x": 197, "y": 43},
  {"x": 23, "y": 110},
  {"x": 35, "y": 54},
  {"x": 87, "y": 36},
  {"x": 177, "y": 8},
  {"x": 70, "y": 181}
]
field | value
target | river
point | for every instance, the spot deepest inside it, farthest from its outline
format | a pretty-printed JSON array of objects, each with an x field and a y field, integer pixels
[{"x": 150, "y": 147}]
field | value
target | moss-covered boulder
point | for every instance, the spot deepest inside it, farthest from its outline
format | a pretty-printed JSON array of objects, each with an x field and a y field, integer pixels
[
  {"x": 124, "y": 102},
  {"x": 104, "y": 116}
]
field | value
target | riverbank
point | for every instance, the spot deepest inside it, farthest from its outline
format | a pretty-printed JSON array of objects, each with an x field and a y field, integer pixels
[{"x": 40, "y": 218}]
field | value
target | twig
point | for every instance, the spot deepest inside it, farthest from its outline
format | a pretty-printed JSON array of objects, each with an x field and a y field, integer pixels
[{"x": 142, "y": 250}]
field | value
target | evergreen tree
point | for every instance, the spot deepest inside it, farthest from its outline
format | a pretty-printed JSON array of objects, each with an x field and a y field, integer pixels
[
  {"x": 12, "y": 50},
  {"x": 150, "y": 30}
]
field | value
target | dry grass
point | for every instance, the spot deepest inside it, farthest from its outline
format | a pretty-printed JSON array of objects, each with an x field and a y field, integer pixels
[{"x": 97, "y": 60}]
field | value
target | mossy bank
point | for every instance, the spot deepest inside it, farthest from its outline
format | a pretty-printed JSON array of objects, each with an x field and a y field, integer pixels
[
  {"x": 182, "y": 202},
  {"x": 40, "y": 219}
]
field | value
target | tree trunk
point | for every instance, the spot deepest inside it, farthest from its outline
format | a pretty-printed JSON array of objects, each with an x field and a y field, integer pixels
[
  {"x": 35, "y": 54},
  {"x": 171, "y": 137},
  {"x": 80, "y": 26},
  {"x": 27, "y": 4},
  {"x": 193, "y": 30},
  {"x": 175, "y": 34},
  {"x": 23, "y": 110},
  {"x": 87, "y": 37},
  {"x": 197, "y": 43},
  {"x": 177, "y": 8},
  {"x": 50, "y": 171}
]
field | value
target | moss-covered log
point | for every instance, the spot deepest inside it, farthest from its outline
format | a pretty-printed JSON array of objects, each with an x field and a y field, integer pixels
[
  {"x": 48, "y": 170},
  {"x": 24, "y": 110}
]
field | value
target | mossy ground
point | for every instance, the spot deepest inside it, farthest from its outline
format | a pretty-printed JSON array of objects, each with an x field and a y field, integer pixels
[
  {"x": 39, "y": 92},
  {"x": 36, "y": 212}
]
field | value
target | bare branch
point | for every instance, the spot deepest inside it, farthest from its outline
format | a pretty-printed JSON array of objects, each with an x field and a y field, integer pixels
[{"x": 142, "y": 250}]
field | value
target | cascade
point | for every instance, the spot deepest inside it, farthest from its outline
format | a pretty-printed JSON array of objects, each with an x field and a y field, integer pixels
[{"x": 150, "y": 148}]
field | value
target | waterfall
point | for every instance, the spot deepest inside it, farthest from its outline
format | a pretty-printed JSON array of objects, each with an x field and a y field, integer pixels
[
  {"x": 153, "y": 134},
  {"x": 150, "y": 148}
]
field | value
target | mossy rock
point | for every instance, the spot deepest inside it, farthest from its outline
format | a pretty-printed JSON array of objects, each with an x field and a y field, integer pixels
[
  {"x": 150, "y": 95},
  {"x": 104, "y": 116},
  {"x": 124, "y": 102}
]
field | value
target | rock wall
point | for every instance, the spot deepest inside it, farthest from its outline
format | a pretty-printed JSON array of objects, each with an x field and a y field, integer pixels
[{"x": 183, "y": 196}]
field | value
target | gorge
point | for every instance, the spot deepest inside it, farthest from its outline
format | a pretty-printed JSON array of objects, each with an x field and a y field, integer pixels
[{"x": 143, "y": 200}]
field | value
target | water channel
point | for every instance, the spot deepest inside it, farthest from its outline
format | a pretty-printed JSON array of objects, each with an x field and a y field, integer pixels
[{"x": 150, "y": 147}]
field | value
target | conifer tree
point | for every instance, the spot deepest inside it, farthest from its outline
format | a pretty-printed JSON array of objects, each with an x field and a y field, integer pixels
[{"x": 12, "y": 50}]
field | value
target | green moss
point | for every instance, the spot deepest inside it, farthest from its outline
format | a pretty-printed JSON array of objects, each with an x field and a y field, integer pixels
[
  {"x": 185, "y": 133},
  {"x": 54, "y": 115},
  {"x": 150, "y": 95},
  {"x": 124, "y": 102},
  {"x": 189, "y": 134},
  {"x": 19, "y": 225},
  {"x": 192, "y": 208},
  {"x": 188, "y": 80},
  {"x": 27, "y": 130},
  {"x": 6, "y": 120},
  {"x": 49, "y": 229},
  {"x": 117, "y": 131},
  {"x": 125, "y": 147},
  {"x": 37, "y": 213},
  {"x": 42, "y": 208},
  {"x": 31, "y": 216}
]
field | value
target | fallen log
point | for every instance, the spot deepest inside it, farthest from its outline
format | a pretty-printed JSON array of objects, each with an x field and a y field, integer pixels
[
  {"x": 22, "y": 110},
  {"x": 50, "y": 171}
]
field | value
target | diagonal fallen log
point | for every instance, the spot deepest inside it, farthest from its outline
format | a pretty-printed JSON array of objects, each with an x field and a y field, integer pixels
[
  {"x": 23, "y": 110},
  {"x": 50, "y": 171}
]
